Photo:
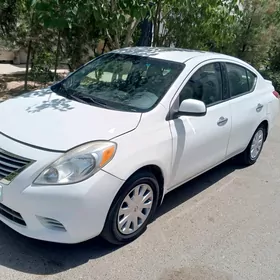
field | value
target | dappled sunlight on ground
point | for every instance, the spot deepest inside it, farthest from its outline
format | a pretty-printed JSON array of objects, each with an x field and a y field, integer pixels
[{"x": 13, "y": 85}]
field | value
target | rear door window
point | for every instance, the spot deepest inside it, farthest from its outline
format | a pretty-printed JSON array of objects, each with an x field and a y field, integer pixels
[{"x": 241, "y": 80}]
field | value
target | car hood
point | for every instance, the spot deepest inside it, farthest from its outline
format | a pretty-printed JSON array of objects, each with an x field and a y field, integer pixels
[{"x": 46, "y": 120}]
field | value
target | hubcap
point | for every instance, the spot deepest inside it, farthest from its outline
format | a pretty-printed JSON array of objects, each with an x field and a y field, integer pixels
[
  {"x": 256, "y": 144},
  {"x": 135, "y": 209}
]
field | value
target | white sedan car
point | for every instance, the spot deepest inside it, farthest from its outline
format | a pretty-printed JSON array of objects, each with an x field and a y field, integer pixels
[{"x": 96, "y": 153}]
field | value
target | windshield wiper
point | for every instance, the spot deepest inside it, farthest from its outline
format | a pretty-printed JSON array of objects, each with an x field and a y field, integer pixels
[
  {"x": 76, "y": 98},
  {"x": 93, "y": 101},
  {"x": 69, "y": 95}
]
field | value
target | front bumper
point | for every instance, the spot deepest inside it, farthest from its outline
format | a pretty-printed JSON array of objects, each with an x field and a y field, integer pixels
[{"x": 63, "y": 214}]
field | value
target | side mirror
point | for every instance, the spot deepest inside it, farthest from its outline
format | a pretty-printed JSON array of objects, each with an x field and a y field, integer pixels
[{"x": 192, "y": 107}]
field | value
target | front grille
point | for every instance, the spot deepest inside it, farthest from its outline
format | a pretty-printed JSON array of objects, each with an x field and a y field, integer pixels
[
  {"x": 11, "y": 215},
  {"x": 11, "y": 165}
]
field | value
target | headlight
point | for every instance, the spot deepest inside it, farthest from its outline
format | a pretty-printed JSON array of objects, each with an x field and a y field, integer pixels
[{"x": 78, "y": 164}]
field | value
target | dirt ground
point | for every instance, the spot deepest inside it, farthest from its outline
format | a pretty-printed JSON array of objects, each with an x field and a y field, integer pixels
[
  {"x": 13, "y": 84},
  {"x": 12, "y": 79}
]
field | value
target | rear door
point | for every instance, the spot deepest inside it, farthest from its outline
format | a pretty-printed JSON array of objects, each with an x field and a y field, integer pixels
[{"x": 247, "y": 106}]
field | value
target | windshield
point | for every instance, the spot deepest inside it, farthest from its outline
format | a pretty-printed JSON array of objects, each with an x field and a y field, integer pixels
[{"x": 121, "y": 82}]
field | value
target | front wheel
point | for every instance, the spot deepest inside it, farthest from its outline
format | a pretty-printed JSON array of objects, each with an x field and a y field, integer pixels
[
  {"x": 132, "y": 209},
  {"x": 252, "y": 152}
]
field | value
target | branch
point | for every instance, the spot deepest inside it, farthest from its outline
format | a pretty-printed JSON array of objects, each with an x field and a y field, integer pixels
[
  {"x": 132, "y": 26},
  {"x": 117, "y": 41},
  {"x": 104, "y": 46},
  {"x": 110, "y": 39},
  {"x": 248, "y": 30}
]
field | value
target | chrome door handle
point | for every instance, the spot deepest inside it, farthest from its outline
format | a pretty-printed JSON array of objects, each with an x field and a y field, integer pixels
[
  {"x": 259, "y": 107},
  {"x": 222, "y": 121}
]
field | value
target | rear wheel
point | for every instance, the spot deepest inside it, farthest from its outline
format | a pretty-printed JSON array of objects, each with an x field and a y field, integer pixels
[
  {"x": 252, "y": 152},
  {"x": 132, "y": 209}
]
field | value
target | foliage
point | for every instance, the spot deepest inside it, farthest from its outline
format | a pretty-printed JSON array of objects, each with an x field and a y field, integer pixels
[
  {"x": 274, "y": 53},
  {"x": 256, "y": 29},
  {"x": 272, "y": 76},
  {"x": 8, "y": 16},
  {"x": 42, "y": 63},
  {"x": 55, "y": 31},
  {"x": 118, "y": 19},
  {"x": 196, "y": 24}
]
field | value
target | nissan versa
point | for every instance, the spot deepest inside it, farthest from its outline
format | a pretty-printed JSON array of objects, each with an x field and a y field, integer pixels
[{"x": 96, "y": 153}]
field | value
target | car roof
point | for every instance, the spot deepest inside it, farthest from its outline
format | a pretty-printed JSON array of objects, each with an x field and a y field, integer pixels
[{"x": 172, "y": 54}]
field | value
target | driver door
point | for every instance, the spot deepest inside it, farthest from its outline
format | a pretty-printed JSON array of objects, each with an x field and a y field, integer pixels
[{"x": 200, "y": 143}]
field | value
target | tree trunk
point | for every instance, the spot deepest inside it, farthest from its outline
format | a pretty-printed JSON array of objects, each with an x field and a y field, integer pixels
[
  {"x": 29, "y": 49},
  {"x": 71, "y": 69},
  {"x": 132, "y": 26},
  {"x": 116, "y": 36},
  {"x": 27, "y": 64},
  {"x": 156, "y": 24},
  {"x": 117, "y": 40},
  {"x": 110, "y": 39},
  {"x": 57, "y": 54},
  {"x": 247, "y": 32},
  {"x": 104, "y": 46}
]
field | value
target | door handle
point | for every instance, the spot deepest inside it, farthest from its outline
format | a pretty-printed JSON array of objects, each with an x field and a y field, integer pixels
[
  {"x": 259, "y": 107},
  {"x": 222, "y": 121}
]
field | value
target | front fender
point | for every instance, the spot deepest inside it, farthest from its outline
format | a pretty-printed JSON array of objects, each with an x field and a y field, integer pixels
[{"x": 140, "y": 148}]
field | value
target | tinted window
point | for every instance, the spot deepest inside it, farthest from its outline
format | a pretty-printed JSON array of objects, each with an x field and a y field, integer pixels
[
  {"x": 121, "y": 82},
  {"x": 252, "y": 79},
  {"x": 204, "y": 85},
  {"x": 241, "y": 80},
  {"x": 109, "y": 73}
]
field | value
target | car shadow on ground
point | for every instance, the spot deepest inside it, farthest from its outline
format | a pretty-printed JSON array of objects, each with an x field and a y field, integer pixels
[
  {"x": 196, "y": 186},
  {"x": 37, "y": 257}
]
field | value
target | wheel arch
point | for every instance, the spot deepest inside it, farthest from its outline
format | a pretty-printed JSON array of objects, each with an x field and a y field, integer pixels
[
  {"x": 156, "y": 171},
  {"x": 265, "y": 124}
]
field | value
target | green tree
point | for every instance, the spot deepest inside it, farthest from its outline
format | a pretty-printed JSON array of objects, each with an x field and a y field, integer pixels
[
  {"x": 118, "y": 19},
  {"x": 256, "y": 31},
  {"x": 28, "y": 24},
  {"x": 9, "y": 11},
  {"x": 195, "y": 24},
  {"x": 65, "y": 30}
]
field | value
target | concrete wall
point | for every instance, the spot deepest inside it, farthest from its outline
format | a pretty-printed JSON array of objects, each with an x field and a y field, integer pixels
[
  {"x": 23, "y": 56},
  {"x": 18, "y": 57},
  {"x": 6, "y": 55}
]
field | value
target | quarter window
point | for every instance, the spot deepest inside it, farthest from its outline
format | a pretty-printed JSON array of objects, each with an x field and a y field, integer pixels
[
  {"x": 252, "y": 79},
  {"x": 241, "y": 80},
  {"x": 205, "y": 85}
]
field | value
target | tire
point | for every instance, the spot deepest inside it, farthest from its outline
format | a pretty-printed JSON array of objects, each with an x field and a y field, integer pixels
[
  {"x": 120, "y": 233},
  {"x": 247, "y": 157}
]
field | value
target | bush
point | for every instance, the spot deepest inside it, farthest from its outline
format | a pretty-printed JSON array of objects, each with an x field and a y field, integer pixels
[{"x": 272, "y": 76}]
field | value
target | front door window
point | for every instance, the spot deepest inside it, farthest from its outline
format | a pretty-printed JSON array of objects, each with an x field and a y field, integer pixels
[{"x": 205, "y": 85}]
